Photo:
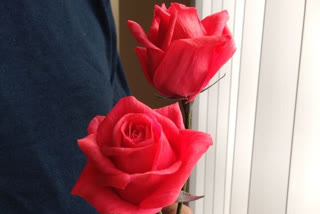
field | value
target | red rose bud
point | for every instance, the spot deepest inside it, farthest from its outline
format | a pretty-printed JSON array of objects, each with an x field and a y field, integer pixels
[
  {"x": 180, "y": 53},
  {"x": 138, "y": 158}
]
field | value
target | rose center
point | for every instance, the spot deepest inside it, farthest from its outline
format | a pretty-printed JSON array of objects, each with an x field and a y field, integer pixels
[{"x": 135, "y": 132}]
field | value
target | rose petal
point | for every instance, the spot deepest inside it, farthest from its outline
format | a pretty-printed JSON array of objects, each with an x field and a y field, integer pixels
[
  {"x": 188, "y": 24},
  {"x": 125, "y": 105},
  {"x": 154, "y": 30},
  {"x": 133, "y": 160},
  {"x": 164, "y": 24},
  {"x": 143, "y": 58},
  {"x": 169, "y": 32},
  {"x": 156, "y": 156},
  {"x": 166, "y": 154},
  {"x": 162, "y": 155},
  {"x": 200, "y": 58},
  {"x": 91, "y": 149},
  {"x": 146, "y": 183},
  {"x": 163, "y": 6},
  {"x": 169, "y": 128},
  {"x": 155, "y": 57},
  {"x": 94, "y": 124},
  {"x": 177, "y": 6},
  {"x": 226, "y": 31},
  {"x": 215, "y": 23},
  {"x": 104, "y": 199},
  {"x": 222, "y": 54},
  {"x": 141, "y": 141},
  {"x": 169, "y": 170},
  {"x": 151, "y": 127},
  {"x": 193, "y": 144},
  {"x": 140, "y": 35},
  {"x": 172, "y": 112}
]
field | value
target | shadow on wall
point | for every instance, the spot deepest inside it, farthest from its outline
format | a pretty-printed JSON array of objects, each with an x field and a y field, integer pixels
[{"x": 140, "y": 11}]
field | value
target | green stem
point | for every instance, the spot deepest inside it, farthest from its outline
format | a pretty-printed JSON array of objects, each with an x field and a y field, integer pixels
[
  {"x": 187, "y": 113},
  {"x": 180, "y": 204},
  {"x": 187, "y": 116},
  {"x": 160, "y": 212}
]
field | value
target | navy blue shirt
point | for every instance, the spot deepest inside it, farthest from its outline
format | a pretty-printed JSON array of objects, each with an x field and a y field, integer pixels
[{"x": 59, "y": 68}]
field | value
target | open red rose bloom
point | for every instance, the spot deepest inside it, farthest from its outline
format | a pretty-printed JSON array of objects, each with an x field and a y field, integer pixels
[
  {"x": 138, "y": 158},
  {"x": 180, "y": 53}
]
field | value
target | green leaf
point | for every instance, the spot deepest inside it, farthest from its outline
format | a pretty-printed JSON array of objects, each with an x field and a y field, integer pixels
[{"x": 187, "y": 197}]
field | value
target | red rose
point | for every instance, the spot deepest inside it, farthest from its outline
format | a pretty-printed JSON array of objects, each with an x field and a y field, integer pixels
[
  {"x": 138, "y": 158},
  {"x": 181, "y": 53}
]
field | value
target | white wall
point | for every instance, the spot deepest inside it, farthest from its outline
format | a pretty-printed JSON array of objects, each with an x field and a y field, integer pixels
[
  {"x": 115, "y": 12},
  {"x": 264, "y": 115}
]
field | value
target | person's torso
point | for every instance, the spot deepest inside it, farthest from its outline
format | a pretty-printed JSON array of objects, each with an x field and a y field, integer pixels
[{"x": 58, "y": 69}]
